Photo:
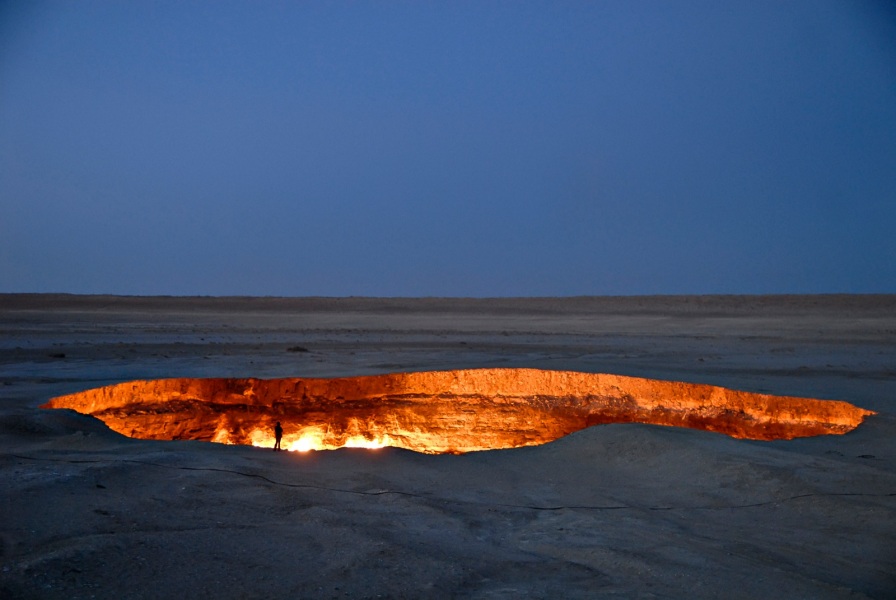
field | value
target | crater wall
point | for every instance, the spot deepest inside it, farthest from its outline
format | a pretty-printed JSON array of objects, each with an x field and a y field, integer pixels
[{"x": 444, "y": 411}]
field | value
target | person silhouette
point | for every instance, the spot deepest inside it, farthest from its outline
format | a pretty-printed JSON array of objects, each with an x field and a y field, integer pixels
[{"x": 278, "y": 434}]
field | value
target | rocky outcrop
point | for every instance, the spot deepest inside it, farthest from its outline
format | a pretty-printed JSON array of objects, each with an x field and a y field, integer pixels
[{"x": 444, "y": 411}]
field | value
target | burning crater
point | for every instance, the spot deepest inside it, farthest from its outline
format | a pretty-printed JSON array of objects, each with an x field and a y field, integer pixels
[{"x": 443, "y": 411}]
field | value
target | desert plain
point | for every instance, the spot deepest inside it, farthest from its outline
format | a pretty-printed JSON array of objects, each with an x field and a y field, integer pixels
[{"x": 612, "y": 511}]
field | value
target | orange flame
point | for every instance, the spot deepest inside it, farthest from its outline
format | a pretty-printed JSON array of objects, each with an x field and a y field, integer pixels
[
  {"x": 310, "y": 438},
  {"x": 444, "y": 411}
]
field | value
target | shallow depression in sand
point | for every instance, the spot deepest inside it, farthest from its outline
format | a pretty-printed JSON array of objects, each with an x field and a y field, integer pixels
[{"x": 443, "y": 411}]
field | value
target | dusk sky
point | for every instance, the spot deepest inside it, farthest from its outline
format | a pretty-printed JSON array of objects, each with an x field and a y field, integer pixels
[{"x": 448, "y": 148}]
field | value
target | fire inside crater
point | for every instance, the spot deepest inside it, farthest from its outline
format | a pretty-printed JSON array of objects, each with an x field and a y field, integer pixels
[{"x": 443, "y": 411}]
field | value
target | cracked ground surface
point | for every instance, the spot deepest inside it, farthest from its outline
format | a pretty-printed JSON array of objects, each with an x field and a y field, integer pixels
[{"x": 612, "y": 511}]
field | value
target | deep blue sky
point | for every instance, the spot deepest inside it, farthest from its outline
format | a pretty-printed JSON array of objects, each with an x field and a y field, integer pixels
[{"x": 448, "y": 148}]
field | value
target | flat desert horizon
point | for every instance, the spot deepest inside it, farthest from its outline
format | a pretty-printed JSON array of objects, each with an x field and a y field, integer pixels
[{"x": 621, "y": 510}]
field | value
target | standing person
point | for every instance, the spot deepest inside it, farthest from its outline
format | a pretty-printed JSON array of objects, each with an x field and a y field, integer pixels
[{"x": 278, "y": 434}]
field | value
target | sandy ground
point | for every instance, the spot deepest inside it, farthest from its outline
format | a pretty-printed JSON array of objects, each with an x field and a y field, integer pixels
[{"x": 628, "y": 511}]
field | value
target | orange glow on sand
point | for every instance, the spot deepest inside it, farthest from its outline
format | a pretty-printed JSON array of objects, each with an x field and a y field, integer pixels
[{"x": 443, "y": 411}]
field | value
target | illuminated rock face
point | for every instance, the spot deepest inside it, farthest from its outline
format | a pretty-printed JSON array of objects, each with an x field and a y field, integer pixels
[{"x": 443, "y": 411}]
